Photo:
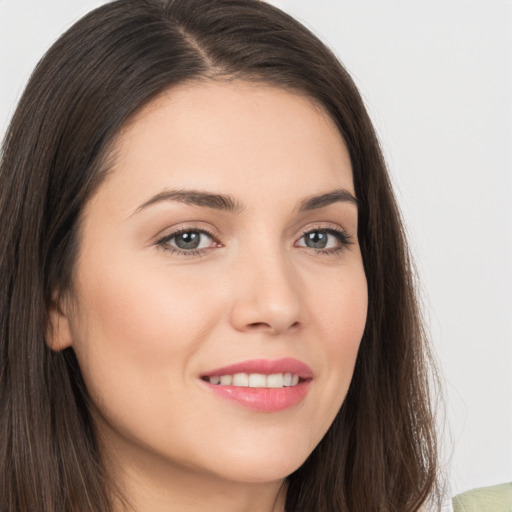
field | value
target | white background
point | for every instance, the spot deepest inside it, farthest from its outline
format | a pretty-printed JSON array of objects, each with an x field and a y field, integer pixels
[{"x": 437, "y": 79}]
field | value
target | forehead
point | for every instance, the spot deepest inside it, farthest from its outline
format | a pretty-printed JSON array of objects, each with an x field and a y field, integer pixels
[{"x": 231, "y": 135}]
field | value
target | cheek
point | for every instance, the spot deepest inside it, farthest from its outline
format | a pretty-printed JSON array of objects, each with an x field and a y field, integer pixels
[
  {"x": 137, "y": 332},
  {"x": 340, "y": 323},
  {"x": 351, "y": 318},
  {"x": 134, "y": 338},
  {"x": 342, "y": 306},
  {"x": 139, "y": 313}
]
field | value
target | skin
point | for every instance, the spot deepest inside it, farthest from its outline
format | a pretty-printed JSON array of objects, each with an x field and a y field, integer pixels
[{"x": 147, "y": 322}]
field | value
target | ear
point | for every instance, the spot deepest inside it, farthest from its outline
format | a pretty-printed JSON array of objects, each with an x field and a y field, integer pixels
[{"x": 58, "y": 330}]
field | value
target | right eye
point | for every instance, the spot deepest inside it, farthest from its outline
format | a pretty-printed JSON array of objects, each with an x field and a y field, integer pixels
[{"x": 188, "y": 241}]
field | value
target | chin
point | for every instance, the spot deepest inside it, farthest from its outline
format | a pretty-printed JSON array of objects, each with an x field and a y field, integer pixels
[
  {"x": 259, "y": 469},
  {"x": 263, "y": 473}
]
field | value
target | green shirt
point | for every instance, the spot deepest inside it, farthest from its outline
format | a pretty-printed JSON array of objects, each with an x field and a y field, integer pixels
[{"x": 497, "y": 498}]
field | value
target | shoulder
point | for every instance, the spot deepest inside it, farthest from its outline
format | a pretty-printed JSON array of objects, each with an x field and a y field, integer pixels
[{"x": 497, "y": 498}]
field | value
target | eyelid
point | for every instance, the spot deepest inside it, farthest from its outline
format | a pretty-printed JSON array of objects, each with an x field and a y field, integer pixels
[
  {"x": 324, "y": 226},
  {"x": 162, "y": 241},
  {"x": 344, "y": 237},
  {"x": 181, "y": 227}
]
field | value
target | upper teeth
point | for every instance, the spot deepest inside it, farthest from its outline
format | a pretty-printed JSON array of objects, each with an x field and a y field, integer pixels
[{"x": 256, "y": 380}]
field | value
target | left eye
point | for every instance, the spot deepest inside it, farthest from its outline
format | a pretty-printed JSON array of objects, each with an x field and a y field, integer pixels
[
  {"x": 189, "y": 240},
  {"x": 322, "y": 239}
]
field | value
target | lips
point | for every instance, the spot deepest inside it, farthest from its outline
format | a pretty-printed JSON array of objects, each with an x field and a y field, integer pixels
[
  {"x": 261, "y": 384},
  {"x": 265, "y": 367}
]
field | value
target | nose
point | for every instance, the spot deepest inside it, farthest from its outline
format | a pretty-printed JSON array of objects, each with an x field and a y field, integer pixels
[{"x": 267, "y": 294}]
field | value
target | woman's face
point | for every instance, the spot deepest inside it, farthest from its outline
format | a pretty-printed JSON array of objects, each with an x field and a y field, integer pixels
[{"x": 225, "y": 234}]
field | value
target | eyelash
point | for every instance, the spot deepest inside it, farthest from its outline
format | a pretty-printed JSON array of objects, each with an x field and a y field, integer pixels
[
  {"x": 164, "y": 242},
  {"x": 343, "y": 238}
]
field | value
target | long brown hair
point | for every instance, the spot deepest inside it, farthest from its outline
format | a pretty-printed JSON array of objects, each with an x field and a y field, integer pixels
[{"x": 380, "y": 452}]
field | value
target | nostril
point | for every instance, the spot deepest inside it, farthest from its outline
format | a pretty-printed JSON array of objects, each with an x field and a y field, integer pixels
[
  {"x": 272, "y": 326},
  {"x": 257, "y": 325}
]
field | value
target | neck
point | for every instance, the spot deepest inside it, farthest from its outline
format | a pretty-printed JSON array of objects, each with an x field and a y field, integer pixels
[
  {"x": 153, "y": 484},
  {"x": 186, "y": 491}
]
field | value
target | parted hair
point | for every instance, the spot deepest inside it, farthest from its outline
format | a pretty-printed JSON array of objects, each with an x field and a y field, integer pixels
[{"x": 380, "y": 453}]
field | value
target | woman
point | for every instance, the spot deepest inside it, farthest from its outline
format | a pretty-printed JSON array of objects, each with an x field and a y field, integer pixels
[{"x": 206, "y": 294}]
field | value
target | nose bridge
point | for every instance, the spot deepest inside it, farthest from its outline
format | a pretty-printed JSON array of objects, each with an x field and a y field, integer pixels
[{"x": 266, "y": 289}]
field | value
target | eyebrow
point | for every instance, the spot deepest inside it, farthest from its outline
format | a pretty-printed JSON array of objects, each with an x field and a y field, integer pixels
[
  {"x": 336, "y": 196},
  {"x": 197, "y": 198},
  {"x": 229, "y": 204}
]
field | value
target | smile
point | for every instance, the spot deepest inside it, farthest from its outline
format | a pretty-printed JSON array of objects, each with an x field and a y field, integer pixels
[
  {"x": 260, "y": 384},
  {"x": 256, "y": 380}
]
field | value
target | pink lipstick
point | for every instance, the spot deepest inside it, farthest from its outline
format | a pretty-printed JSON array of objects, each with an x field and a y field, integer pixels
[{"x": 261, "y": 384}]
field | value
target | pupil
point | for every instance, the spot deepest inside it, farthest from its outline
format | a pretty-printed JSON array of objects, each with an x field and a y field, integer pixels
[
  {"x": 316, "y": 240},
  {"x": 189, "y": 240}
]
